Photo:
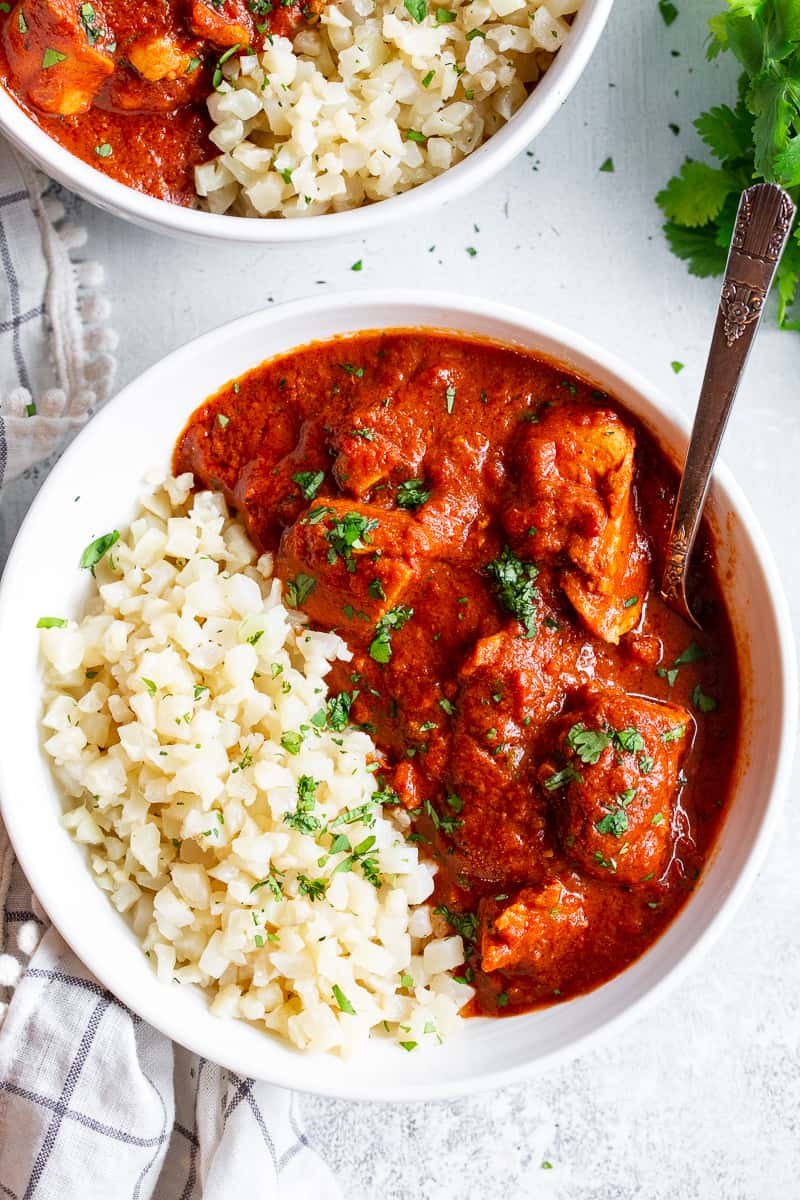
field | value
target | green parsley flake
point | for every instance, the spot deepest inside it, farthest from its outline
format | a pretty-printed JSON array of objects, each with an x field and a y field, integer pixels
[
  {"x": 608, "y": 166},
  {"x": 588, "y": 744},
  {"x": 514, "y": 582},
  {"x": 298, "y": 590},
  {"x": 51, "y": 58},
  {"x": 51, "y": 623},
  {"x": 344, "y": 1004},
  {"x": 97, "y": 549},
  {"x": 309, "y": 482},
  {"x": 394, "y": 619},
  {"x": 676, "y": 366},
  {"x": 104, "y": 150},
  {"x": 412, "y": 493},
  {"x": 418, "y": 9}
]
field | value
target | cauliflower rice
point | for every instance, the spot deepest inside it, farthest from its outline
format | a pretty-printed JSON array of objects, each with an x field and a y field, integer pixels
[
  {"x": 375, "y": 99},
  {"x": 227, "y": 806}
]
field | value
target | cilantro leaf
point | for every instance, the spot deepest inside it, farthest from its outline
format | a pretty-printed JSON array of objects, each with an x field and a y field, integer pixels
[
  {"x": 697, "y": 194},
  {"x": 698, "y": 247},
  {"x": 728, "y": 132}
]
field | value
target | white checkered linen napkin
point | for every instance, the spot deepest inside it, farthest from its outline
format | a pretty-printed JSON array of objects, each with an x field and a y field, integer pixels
[{"x": 93, "y": 1102}]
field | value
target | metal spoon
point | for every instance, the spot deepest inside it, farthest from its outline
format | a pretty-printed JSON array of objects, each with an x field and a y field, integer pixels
[{"x": 762, "y": 227}]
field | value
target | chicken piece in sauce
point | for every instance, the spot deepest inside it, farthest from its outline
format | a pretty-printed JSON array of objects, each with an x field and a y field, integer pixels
[
  {"x": 59, "y": 61},
  {"x": 613, "y": 782},
  {"x": 576, "y": 508},
  {"x": 537, "y": 931}
]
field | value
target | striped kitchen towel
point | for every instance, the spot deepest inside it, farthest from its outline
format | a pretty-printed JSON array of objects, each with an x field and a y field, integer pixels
[{"x": 95, "y": 1104}]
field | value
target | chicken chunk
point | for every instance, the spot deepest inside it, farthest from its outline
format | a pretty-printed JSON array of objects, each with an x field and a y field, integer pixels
[
  {"x": 577, "y": 508},
  {"x": 506, "y": 689},
  {"x": 379, "y": 446},
  {"x": 226, "y": 24},
  {"x": 58, "y": 59},
  {"x": 355, "y": 561},
  {"x": 538, "y": 931},
  {"x": 612, "y": 782},
  {"x": 158, "y": 58}
]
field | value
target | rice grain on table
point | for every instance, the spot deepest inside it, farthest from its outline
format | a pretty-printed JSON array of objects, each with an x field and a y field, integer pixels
[
  {"x": 228, "y": 808},
  {"x": 371, "y": 102}
]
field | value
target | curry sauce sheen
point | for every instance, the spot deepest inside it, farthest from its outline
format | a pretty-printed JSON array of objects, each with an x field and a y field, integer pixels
[{"x": 485, "y": 529}]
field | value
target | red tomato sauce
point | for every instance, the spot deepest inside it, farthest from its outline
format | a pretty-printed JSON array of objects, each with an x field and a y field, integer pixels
[{"x": 487, "y": 531}]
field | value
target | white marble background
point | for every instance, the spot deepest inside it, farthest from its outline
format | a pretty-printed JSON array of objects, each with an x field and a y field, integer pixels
[{"x": 701, "y": 1098}]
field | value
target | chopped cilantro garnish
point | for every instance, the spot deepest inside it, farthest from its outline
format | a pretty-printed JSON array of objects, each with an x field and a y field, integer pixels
[
  {"x": 97, "y": 549},
  {"x": 560, "y": 779},
  {"x": 309, "y": 482},
  {"x": 588, "y": 744},
  {"x": 514, "y": 583},
  {"x": 298, "y": 590},
  {"x": 395, "y": 618},
  {"x": 411, "y": 493},
  {"x": 53, "y": 623},
  {"x": 342, "y": 1001}
]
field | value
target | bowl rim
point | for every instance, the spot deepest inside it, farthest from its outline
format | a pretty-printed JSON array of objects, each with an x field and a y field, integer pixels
[
  {"x": 163, "y": 216},
  {"x": 452, "y": 308}
]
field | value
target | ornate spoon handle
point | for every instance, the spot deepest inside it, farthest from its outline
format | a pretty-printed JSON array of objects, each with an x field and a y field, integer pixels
[{"x": 762, "y": 226}]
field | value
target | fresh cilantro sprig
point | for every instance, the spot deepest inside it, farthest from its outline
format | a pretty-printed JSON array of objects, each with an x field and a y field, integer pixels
[{"x": 758, "y": 137}]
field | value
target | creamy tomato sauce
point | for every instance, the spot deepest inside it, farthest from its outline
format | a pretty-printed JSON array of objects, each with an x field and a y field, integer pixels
[{"x": 487, "y": 531}]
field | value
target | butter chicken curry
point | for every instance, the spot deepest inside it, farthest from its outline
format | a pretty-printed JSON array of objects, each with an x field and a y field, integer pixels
[
  {"x": 123, "y": 85},
  {"x": 485, "y": 529}
]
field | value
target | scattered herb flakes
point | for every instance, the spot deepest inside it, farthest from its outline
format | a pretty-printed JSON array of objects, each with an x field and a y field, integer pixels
[
  {"x": 657, "y": 819},
  {"x": 96, "y": 550},
  {"x": 569, "y": 774},
  {"x": 22, "y": 24},
  {"x": 298, "y": 590},
  {"x": 52, "y": 623},
  {"x": 315, "y": 889},
  {"x": 446, "y": 706},
  {"x": 588, "y": 744},
  {"x": 471, "y": 251},
  {"x": 408, "y": 1045},
  {"x": 674, "y": 734},
  {"x": 348, "y": 533},
  {"x": 428, "y": 79},
  {"x": 417, "y": 9},
  {"x": 51, "y": 58},
  {"x": 465, "y": 924},
  {"x": 412, "y": 493},
  {"x": 414, "y": 135},
  {"x": 104, "y": 150},
  {"x": 375, "y": 589},
  {"x": 691, "y": 654},
  {"x": 216, "y": 80},
  {"x": 150, "y": 685},
  {"x": 670, "y": 674},
  {"x": 502, "y": 999},
  {"x": 629, "y": 739},
  {"x": 631, "y": 600},
  {"x": 608, "y": 166},
  {"x": 702, "y": 702},
  {"x": 668, "y": 11},
  {"x": 449, "y": 397},
  {"x": 338, "y": 710},
  {"x": 395, "y": 618},
  {"x": 614, "y": 823},
  {"x": 357, "y": 265},
  {"x": 344, "y": 1004},
  {"x": 292, "y": 742},
  {"x": 309, "y": 482},
  {"x": 445, "y": 16},
  {"x": 514, "y": 582},
  {"x": 223, "y": 421},
  {"x": 677, "y": 367}
]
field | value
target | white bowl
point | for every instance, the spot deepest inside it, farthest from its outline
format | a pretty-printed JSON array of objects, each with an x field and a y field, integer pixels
[
  {"x": 543, "y": 103},
  {"x": 94, "y": 487}
]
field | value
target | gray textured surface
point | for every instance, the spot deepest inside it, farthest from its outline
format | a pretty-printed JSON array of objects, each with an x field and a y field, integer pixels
[{"x": 700, "y": 1099}]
